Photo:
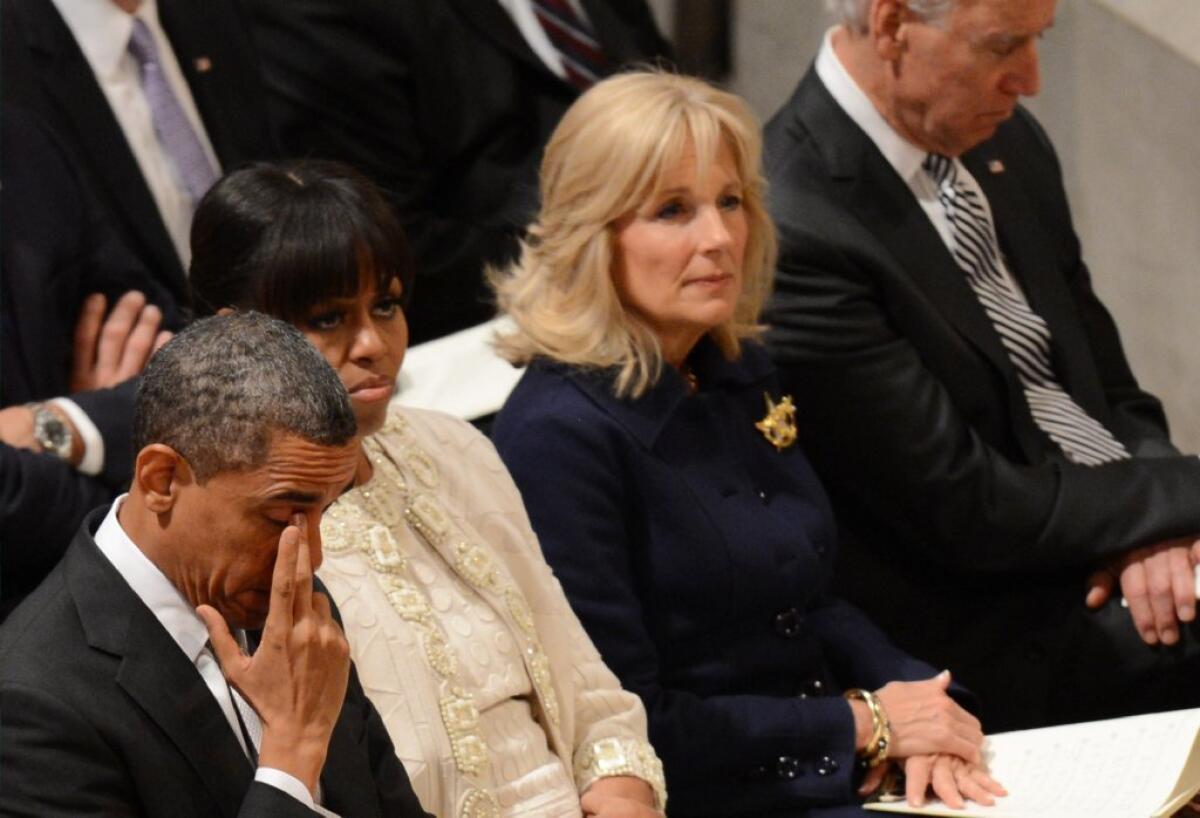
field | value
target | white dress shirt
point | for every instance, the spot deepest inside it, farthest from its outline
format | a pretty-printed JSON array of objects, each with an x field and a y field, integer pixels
[
  {"x": 102, "y": 31},
  {"x": 179, "y": 619},
  {"x": 522, "y": 14},
  {"x": 905, "y": 157}
]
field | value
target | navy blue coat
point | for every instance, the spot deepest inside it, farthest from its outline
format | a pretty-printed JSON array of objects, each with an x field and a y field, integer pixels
[{"x": 698, "y": 558}]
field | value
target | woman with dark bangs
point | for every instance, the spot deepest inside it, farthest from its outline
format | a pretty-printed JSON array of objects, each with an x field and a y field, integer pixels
[{"x": 494, "y": 696}]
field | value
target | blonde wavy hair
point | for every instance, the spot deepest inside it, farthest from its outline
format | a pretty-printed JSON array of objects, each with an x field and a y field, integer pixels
[{"x": 607, "y": 157}]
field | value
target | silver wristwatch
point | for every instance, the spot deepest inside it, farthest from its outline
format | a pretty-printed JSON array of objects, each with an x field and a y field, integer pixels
[{"x": 51, "y": 433}]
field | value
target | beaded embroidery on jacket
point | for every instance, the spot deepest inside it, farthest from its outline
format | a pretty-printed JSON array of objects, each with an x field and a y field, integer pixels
[{"x": 360, "y": 520}]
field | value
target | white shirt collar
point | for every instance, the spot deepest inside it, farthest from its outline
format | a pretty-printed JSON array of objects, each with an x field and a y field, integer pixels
[
  {"x": 102, "y": 30},
  {"x": 157, "y": 592},
  {"x": 905, "y": 157}
]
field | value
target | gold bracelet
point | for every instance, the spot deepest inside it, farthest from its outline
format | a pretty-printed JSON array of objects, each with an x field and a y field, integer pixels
[{"x": 876, "y": 751}]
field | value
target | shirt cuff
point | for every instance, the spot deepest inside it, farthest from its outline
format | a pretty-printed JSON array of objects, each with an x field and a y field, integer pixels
[
  {"x": 92, "y": 462},
  {"x": 292, "y": 786}
]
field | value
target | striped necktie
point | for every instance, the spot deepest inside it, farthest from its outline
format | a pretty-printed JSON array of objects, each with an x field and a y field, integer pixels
[
  {"x": 172, "y": 127},
  {"x": 1024, "y": 333},
  {"x": 573, "y": 38}
]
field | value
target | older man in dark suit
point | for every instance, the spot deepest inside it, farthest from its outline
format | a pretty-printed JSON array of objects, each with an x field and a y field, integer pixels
[
  {"x": 960, "y": 385},
  {"x": 178, "y": 661}
]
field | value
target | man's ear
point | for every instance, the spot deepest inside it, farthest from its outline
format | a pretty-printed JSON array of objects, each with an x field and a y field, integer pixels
[
  {"x": 159, "y": 472},
  {"x": 887, "y": 28}
]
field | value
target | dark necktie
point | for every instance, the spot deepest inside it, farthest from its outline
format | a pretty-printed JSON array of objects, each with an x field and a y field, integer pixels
[
  {"x": 1024, "y": 333},
  {"x": 172, "y": 127},
  {"x": 582, "y": 57}
]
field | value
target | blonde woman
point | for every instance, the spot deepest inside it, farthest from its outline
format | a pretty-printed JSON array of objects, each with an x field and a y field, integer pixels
[
  {"x": 495, "y": 699},
  {"x": 658, "y": 461}
]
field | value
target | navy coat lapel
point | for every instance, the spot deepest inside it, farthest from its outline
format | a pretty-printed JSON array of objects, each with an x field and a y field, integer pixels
[
  {"x": 68, "y": 80},
  {"x": 156, "y": 674}
]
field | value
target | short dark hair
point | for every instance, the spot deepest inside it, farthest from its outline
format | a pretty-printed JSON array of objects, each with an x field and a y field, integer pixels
[
  {"x": 219, "y": 390},
  {"x": 282, "y": 238}
]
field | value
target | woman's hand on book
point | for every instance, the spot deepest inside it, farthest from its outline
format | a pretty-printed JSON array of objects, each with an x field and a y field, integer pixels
[{"x": 951, "y": 779}]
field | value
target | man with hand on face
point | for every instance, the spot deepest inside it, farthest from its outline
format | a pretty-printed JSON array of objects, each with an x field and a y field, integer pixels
[
  {"x": 958, "y": 383},
  {"x": 178, "y": 661}
]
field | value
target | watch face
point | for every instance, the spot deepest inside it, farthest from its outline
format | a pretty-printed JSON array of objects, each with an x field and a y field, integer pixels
[{"x": 53, "y": 435}]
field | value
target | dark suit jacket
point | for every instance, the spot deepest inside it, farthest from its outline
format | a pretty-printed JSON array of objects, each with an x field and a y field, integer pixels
[
  {"x": 104, "y": 715},
  {"x": 45, "y": 71},
  {"x": 442, "y": 103},
  {"x": 971, "y": 535},
  {"x": 698, "y": 559},
  {"x": 56, "y": 247}
]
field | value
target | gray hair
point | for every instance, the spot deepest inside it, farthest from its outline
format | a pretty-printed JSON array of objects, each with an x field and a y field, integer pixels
[
  {"x": 219, "y": 390},
  {"x": 853, "y": 13}
]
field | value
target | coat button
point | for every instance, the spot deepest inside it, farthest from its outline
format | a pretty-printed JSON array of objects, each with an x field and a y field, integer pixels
[
  {"x": 787, "y": 767},
  {"x": 811, "y": 689},
  {"x": 827, "y": 766},
  {"x": 787, "y": 623},
  {"x": 762, "y": 495}
]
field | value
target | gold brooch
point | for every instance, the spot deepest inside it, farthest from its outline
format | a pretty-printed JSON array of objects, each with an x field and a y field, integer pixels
[{"x": 779, "y": 425}]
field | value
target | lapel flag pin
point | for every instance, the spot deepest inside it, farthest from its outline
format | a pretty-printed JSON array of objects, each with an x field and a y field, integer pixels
[
  {"x": 203, "y": 65},
  {"x": 995, "y": 166}
]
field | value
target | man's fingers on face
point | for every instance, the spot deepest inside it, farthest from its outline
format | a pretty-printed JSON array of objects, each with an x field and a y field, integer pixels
[
  {"x": 304, "y": 574},
  {"x": 283, "y": 580}
]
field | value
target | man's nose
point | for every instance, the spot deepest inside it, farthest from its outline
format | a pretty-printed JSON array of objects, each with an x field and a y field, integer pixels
[{"x": 1025, "y": 77}]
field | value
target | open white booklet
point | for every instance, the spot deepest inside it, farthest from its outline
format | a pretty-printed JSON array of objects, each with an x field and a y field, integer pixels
[{"x": 1135, "y": 767}]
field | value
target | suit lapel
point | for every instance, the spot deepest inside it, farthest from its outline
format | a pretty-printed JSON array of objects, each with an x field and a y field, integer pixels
[
  {"x": 68, "y": 81},
  {"x": 156, "y": 674}
]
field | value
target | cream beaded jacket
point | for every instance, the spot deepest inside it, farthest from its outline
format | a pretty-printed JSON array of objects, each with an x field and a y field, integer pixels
[{"x": 494, "y": 696}]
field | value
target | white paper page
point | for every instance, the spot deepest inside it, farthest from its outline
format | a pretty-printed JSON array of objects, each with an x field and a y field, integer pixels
[{"x": 1121, "y": 768}]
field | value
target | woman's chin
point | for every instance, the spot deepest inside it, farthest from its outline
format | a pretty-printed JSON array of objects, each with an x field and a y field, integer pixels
[{"x": 370, "y": 417}]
